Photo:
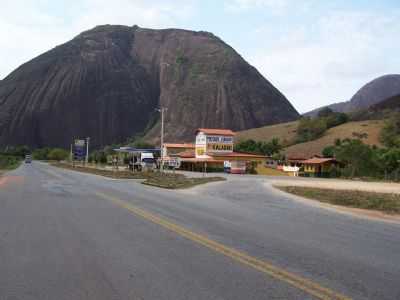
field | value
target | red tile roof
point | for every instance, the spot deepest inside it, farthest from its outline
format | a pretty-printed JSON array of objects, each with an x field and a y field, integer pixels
[
  {"x": 216, "y": 131},
  {"x": 185, "y": 154},
  {"x": 179, "y": 145},
  {"x": 318, "y": 160},
  {"x": 194, "y": 160},
  {"x": 237, "y": 154}
]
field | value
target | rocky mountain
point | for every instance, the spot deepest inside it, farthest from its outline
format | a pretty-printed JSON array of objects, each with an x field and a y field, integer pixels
[
  {"x": 370, "y": 94},
  {"x": 107, "y": 82}
]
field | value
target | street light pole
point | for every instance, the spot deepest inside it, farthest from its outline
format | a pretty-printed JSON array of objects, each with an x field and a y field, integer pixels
[
  {"x": 162, "y": 110},
  {"x": 87, "y": 150}
]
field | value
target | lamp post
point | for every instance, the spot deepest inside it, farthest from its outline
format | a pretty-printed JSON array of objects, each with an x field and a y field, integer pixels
[
  {"x": 87, "y": 150},
  {"x": 162, "y": 110}
]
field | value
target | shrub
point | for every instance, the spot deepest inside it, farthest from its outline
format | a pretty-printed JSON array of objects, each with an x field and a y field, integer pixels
[
  {"x": 41, "y": 154},
  {"x": 8, "y": 161},
  {"x": 58, "y": 154}
]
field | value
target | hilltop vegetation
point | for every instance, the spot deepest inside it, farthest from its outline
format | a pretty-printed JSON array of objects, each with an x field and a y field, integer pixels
[
  {"x": 369, "y": 129},
  {"x": 309, "y": 136}
]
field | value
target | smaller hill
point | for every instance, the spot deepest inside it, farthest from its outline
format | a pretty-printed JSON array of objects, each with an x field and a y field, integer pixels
[
  {"x": 371, "y": 127},
  {"x": 286, "y": 132},
  {"x": 392, "y": 103},
  {"x": 370, "y": 94}
]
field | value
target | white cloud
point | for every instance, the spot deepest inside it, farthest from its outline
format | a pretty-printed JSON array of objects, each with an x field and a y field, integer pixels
[
  {"x": 275, "y": 6},
  {"x": 31, "y": 27},
  {"x": 332, "y": 60}
]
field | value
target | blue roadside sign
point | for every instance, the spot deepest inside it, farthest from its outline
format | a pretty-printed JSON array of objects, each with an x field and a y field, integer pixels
[{"x": 79, "y": 149}]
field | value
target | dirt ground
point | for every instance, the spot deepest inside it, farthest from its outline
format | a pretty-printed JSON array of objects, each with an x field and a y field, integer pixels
[{"x": 379, "y": 187}]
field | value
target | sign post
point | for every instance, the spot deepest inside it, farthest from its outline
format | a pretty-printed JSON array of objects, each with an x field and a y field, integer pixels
[{"x": 80, "y": 150}]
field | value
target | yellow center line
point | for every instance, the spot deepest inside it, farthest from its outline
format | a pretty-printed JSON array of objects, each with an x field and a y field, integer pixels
[{"x": 297, "y": 281}]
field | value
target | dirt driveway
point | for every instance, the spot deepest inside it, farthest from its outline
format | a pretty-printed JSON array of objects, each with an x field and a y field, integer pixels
[{"x": 379, "y": 187}]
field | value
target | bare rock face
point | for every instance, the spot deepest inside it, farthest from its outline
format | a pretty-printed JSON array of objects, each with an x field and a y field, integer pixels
[
  {"x": 107, "y": 83},
  {"x": 372, "y": 93},
  {"x": 375, "y": 92}
]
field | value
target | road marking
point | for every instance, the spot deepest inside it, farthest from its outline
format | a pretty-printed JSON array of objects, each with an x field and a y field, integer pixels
[{"x": 297, "y": 281}]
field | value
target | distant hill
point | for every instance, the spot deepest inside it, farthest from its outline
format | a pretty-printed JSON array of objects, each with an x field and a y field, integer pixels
[
  {"x": 370, "y": 94},
  {"x": 392, "y": 103},
  {"x": 286, "y": 132},
  {"x": 382, "y": 110},
  {"x": 107, "y": 82},
  {"x": 372, "y": 128}
]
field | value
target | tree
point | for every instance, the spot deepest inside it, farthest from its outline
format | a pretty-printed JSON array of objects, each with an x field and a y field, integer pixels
[
  {"x": 271, "y": 147},
  {"x": 360, "y": 159},
  {"x": 336, "y": 119},
  {"x": 310, "y": 129},
  {"x": 390, "y": 160},
  {"x": 19, "y": 151},
  {"x": 265, "y": 148},
  {"x": 328, "y": 151},
  {"x": 58, "y": 154},
  {"x": 325, "y": 112},
  {"x": 390, "y": 133}
]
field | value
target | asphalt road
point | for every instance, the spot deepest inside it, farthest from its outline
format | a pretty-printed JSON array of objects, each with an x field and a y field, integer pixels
[{"x": 68, "y": 235}]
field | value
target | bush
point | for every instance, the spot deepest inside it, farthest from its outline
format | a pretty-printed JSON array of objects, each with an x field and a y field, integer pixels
[
  {"x": 8, "y": 161},
  {"x": 58, "y": 154},
  {"x": 41, "y": 154},
  {"x": 98, "y": 157}
]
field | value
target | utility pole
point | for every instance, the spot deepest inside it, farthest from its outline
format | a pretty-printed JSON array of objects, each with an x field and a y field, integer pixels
[
  {"x": 162, "y": 110},
  {"x": 71, "y": 155},
  {"x": 87, "y": 150}
]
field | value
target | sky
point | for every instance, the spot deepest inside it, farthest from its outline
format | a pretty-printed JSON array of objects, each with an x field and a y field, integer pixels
[{"x": 316, "y": 52}]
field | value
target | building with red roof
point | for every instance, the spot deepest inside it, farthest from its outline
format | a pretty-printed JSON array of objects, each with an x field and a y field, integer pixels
[{"x": 213, "y": 150}]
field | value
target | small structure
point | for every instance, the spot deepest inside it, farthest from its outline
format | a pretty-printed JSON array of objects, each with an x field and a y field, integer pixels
[
  {"x": 319, "y": 166},
  {"x": 139, "y": 159},
  {"x": 172, "y": 149}
]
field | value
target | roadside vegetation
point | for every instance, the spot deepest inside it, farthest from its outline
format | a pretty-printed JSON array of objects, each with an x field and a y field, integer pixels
[
  {"x": 11, "y": 157},
  {"x": 362, "y": 160},
  {"x": 385, "y": 202},
  {"x": 163, "y": 180},
  {"x": 8, "y": 162}
]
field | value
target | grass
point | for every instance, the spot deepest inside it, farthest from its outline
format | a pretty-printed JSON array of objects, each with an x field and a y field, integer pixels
[
  {"x": 162, "y": 180},
  {"x": 384, "y": 202},
  {"x": 372, "y": 128},
  {"x": 179, "y": 181},
  {"x": 287, "y": 132},
  {"x": 261, "y": 170}
]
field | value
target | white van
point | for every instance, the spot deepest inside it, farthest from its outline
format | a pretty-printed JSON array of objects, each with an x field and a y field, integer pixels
[{"x": 147, "y": 161}]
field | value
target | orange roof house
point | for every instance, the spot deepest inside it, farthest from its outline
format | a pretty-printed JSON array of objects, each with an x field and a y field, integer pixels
[{"x": 319, "y": 166}]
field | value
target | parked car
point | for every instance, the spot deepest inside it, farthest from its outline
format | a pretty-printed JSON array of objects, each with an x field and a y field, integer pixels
[{"x": 28, "y": 159}]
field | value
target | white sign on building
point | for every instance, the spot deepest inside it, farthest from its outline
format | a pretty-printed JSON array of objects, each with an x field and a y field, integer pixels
[{"x": 212, "y": 144}]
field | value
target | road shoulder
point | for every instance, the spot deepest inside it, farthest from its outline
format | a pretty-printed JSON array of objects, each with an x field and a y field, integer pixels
[{"x": 349, "y": 211}]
